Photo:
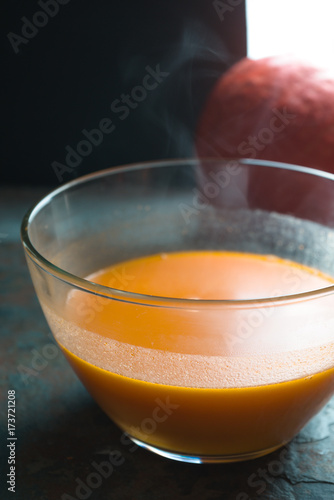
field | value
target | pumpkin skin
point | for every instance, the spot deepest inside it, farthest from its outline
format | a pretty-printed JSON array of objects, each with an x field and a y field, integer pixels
[
  {"x": 279, "y": 109},
  {"x": 276, "y": 108}
]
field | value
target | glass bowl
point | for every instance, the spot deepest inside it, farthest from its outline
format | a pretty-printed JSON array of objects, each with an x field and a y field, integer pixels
[{"x": 211, "y": 337}]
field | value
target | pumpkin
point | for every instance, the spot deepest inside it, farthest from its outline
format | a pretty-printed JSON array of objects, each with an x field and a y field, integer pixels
[
  {"x": 276, "y": 108},
  {"x": 279, "y": 109}
]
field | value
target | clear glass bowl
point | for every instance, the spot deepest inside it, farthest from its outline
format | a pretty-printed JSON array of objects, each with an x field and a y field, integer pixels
[{"x": 197, "y": 380}]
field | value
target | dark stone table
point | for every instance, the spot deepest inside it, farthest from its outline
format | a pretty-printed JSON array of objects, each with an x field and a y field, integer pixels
[{"x": 62, "y": 436}]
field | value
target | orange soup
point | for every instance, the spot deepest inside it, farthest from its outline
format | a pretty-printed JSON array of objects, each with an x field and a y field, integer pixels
[{"x": 194, "y": 379}]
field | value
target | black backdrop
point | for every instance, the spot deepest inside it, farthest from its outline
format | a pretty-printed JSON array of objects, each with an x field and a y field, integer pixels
[{"x": 67, "y": 62}]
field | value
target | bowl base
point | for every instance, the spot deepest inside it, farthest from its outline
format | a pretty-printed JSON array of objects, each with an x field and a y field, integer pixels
[{"x": 205, "y": 459}]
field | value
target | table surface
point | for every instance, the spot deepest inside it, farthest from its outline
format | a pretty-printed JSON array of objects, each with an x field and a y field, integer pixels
[{"x": 61, "y": 433}]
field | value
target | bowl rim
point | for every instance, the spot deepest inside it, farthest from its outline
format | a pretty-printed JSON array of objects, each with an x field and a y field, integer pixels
[{"x": 88, "y": 286}]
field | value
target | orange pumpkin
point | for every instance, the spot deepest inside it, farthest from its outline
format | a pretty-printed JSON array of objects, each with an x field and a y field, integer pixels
[
  {"x": 275, "y": 108},
  {"x": 278, "y": 109}
]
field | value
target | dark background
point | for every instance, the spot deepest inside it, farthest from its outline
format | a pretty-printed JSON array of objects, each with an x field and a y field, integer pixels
[{"x": 66, "y": 76}]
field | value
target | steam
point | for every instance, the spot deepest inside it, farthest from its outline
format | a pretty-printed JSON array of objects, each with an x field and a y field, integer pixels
[{"x": 194, "y": 63}]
